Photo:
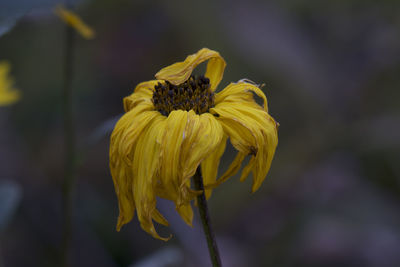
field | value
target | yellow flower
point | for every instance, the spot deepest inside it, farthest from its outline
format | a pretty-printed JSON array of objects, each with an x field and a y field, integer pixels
[
  {"x": 176, "y": 123},
  {"x": 75, "y": 22},
  {"x": 8, "y": 94}
]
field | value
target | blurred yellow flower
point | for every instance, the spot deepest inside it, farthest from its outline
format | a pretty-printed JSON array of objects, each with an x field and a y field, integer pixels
[
  {"x": 176, "y": 123},
  {"x": 75, "y": 22},
  {"x": 8, "y": 94}
]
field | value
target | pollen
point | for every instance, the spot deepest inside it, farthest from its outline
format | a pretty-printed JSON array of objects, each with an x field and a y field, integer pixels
[{"x": 194, "y": 94}]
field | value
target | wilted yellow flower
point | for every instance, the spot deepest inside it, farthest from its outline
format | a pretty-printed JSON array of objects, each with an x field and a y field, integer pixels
[
  {"x": 75, "y": 22},
  {"x": 176, "y": 123},
  {"x": 8, "y": 94}
]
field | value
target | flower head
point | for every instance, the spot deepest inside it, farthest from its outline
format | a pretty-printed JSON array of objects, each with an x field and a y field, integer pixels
[
  {"x": 8, "y": 94},
  {"x": 178, "y": 122}
]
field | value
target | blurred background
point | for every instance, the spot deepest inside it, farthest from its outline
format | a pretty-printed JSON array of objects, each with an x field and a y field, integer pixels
[{"x": 331, "y": 69}]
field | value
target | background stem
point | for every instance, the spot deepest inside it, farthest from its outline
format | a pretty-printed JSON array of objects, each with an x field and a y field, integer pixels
[
  {"x": 205, "y": 219},
  {"x": 69, "y": 144}
]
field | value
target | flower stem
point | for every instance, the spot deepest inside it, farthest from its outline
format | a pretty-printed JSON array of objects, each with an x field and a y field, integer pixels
[
  {"x": 69, "y": 143},
  {"x": 205, "y": 219}
]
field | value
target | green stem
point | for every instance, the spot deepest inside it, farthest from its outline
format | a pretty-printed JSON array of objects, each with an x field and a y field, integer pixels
[
  {"x": 205, "y": 219},
  {"x": 69, "y": 145}
]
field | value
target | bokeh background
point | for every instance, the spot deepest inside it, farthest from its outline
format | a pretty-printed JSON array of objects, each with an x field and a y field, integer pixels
[{"x": 331, "y": 69}]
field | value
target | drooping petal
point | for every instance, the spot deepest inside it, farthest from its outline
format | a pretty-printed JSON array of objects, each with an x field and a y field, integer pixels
[
  {"x": 122, "y": 178},
  {"x": 241, "y": 92},
  {"x": 145, "y": 168},
  {"x": 121, "y": 154},
  {"x": 252, "y": 131},
  {"x": 171, "y": 142},
  {"x": 121, "y": 174},
  {"x": 179, "y": 72},
  {"x": 241, "y": 135},
  {"x": 209, "y": 166},
  {"x": 186, "y": 212},
  {"x": 158, "y": 217},
  {"x": 215, "y": 71},
  {"x": 142, "y": 94},
  {"x": 231, "y": 171},
  {"x": 169, "y": 177},
  {"x": 189, "y": 138},
  {"x": 203, "y": 134},
  {"x": 135, "y": 125},
  {"x": 184, "y": 209}
]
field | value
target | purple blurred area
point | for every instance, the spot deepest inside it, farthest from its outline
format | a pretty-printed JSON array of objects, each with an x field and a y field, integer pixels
[{"x": 331, "y": 69}]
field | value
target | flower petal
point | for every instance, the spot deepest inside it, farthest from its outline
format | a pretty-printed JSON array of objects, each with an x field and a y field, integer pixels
[
  {"x": 75, "y": 22},
  {"x": 179, "y": 72},
  {"x": 122, "y": 146},
  {"x": 186, "y": 212},
  {"x": 135, "y": 121},
  {"x": 189, "y": 138},
  {"x": 231, "y": 171},
  {"x": 8, "y": 95},
  {"x": 209, "y": 166},
  {"x": 251, "y": 131},
  {"x": 203, "y": 135},
  {"x": 241, "y": 92},
  {"x": 145, "y": 168},
  {"x": 143, "y": 94},
  {"x": 122, "y": 177},
  {"x": 170, "y": 177},
  {"x": 158, "y": 217}
]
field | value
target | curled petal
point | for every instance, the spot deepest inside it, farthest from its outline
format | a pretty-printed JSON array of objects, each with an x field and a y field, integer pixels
[
  {"x": 203, "y": 135},
  {"x": 145, "y": 167},
  {"x": 186, "y": 212},
  {"x": 252, "y": 132},
  {"x": 170, "y": 177},
  {"x": 121, "y": 154},
  {"x": 188, "y": 139},
  {"x": 143, "y": 94},
  {"x": 231, "y": 171},
  {"x": 179, "y": 72},
  {"x": 240, "y": 132},
  {"x": 129, "y": 128},
  {"x": 209, "y": 166},
  {"x": 158, "y": 217},
  {"x": 122, "y": 177},
  {"x": 241, "y": 92}
]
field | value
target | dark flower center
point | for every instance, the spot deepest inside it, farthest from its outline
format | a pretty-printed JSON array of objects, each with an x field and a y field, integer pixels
[{"x": 193, "y": 94}]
